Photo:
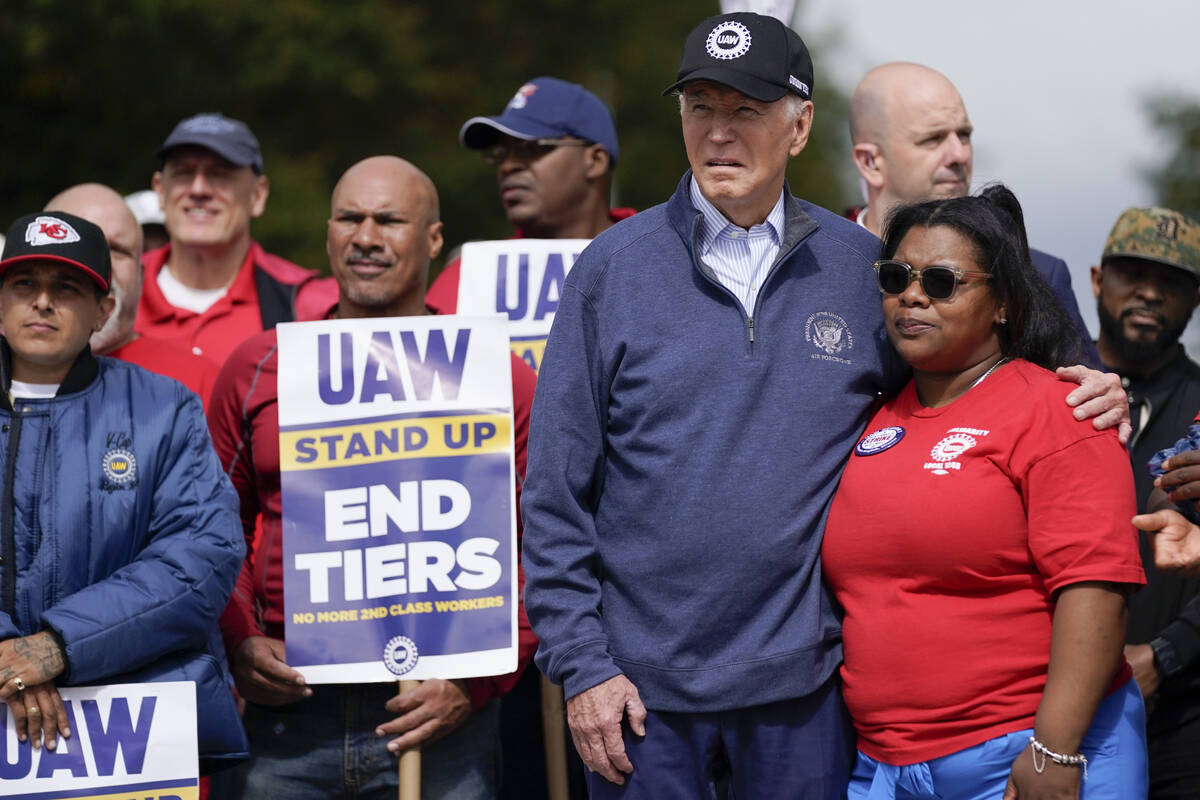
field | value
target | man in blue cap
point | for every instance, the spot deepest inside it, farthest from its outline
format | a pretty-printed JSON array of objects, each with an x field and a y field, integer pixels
[
  {"x": 554, "y": 148},
  {"x": 212, "y": 286}
]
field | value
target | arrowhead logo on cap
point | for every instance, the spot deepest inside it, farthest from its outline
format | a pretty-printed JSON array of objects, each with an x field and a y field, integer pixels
[
  {"x": 728, "y": 41},
  {"x": 49, "y": 230}
]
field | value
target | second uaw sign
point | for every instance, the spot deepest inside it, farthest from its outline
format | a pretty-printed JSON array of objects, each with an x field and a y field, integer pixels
[
  {"x": 521, "y": 279},
  {"x": 396, "y": 470}
]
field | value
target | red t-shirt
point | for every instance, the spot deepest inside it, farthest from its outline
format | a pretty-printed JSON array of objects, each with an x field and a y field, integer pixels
[
  {"x": 442, "y": 297},
  {"x": 193, "y": 371},
  {"x": 244, "y": 419},
  {"x": 950, "y": 531}
]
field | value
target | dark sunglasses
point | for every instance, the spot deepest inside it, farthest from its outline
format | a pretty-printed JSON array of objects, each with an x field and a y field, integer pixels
[
  {"x": 937, "y": 282},
  {"x": 527, "y": 149}
]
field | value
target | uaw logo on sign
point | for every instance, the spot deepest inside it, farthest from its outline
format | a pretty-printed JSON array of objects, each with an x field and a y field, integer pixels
[
  {"x": 522, "y": 96},
  {"x": 400, "y": 655},
  {"x": 728, "y": 41},
  {"x": 49, "y": 230},
  {"x": 829, "y": 334},
  {"x": 946, "y": 452}
]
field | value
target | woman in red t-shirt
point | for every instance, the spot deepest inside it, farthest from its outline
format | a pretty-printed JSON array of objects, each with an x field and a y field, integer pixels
[{"x": 980, "y": 542}]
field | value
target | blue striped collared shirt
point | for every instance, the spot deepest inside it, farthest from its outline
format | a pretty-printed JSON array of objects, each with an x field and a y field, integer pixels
[{"x": 739, "y": 259}]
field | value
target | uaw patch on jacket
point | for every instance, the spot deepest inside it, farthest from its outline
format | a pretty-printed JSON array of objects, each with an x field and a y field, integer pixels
[
  {"x": 118, "y": 465},
  {"x": 946, "y": 453}
]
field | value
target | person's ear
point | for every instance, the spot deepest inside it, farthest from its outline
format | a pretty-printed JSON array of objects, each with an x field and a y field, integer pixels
[
  {"x": 868, "y": 159},
  {"x": 597, "y": 161}
]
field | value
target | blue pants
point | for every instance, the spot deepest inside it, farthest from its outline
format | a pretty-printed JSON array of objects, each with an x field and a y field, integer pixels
[
  {"x": 791, "y": 749},
  {"x": 1115, "y": 746},
  {"x": 325, "y": 747}
]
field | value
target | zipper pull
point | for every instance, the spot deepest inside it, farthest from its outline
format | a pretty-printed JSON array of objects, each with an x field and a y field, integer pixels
[{"x": 750, "y": 325}]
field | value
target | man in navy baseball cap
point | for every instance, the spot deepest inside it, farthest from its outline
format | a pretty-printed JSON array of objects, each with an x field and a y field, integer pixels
[
  {"x": 212, "y": 285},
  {"x": 554, "y": 147}
]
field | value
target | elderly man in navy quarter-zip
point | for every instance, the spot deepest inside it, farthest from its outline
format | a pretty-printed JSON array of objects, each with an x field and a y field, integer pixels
[{"x": 712, "y": 362}]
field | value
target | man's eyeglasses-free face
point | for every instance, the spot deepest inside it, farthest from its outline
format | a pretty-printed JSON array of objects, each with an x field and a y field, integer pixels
[
  {"x": 528, "y": 149},
  {"x": 937, "y": 282}
]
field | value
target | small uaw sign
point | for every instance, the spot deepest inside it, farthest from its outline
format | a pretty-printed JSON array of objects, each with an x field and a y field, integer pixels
[
  {"x": 135, "y": 740},
  {"x": 521, "y": 279},
  {"x": 399, "y": 523}
]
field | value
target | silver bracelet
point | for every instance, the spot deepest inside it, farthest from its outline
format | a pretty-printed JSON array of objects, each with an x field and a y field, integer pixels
[{"x": 1077, "y": 760}]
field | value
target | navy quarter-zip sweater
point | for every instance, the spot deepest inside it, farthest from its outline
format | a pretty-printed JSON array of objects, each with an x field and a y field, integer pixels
[{"x": 683, "y": 455}]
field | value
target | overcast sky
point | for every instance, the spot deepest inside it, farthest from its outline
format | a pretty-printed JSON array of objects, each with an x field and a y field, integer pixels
[{"x": 1055, "y": 89}]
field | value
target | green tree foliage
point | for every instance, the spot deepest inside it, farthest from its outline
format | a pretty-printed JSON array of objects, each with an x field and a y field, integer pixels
[
  {"x": 1177, "y": 181},
  {"x": 92, "y": 87}
]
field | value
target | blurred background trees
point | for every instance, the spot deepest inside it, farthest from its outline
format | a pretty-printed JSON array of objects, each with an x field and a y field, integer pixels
[
  {"x": 1176, "y": 180},
  {"x": 92, "y": 87}
]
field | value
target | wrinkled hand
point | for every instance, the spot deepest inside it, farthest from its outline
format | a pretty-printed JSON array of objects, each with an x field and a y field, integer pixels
[
  {"x": 1100, "y": 397},
  {"x": 1176, "y": 541},
  {"x": 1182, "y": 479},
  {"x": 595, "y": 716},
  {"x": 427, "y": 713},
  {"x": 1056, "y": 782},
  {"x": 38, "y": 714},
  {"x": 262, "y": 675},
  {"x": 31, "y": 659},
  {"x": 1145, "y": 672}
]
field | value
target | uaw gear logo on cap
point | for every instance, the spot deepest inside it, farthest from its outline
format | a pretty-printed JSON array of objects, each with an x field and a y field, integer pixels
[
  {"x": 878, "y": 441},
  {"x": 522, "y": 96},
  {"x": 120, "y": 469},
  {"x": 49, "y": 230},
  {"x": 400, "y": 655},
  {"x": 728, "y": 41}
]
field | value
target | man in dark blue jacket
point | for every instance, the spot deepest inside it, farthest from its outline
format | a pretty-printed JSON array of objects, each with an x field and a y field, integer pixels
[
  {"x": 712, "y": 362},
  {"x": 912, "y": 142},
  {"x": 119, "y": 535}
]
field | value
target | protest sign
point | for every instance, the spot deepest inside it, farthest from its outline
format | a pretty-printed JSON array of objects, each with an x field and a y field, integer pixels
[
  {"x": 399, "y": 526},
  {"x": 521, "y": 279},
  {"x": 134, "y": 740}
]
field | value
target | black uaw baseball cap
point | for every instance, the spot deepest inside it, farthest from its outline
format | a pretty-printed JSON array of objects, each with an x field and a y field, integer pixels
[
  {"x": 755, "y": 54},
  {"x": 58, "y": 236}
]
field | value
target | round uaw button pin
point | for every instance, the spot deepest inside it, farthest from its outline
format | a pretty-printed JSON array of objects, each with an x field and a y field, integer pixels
[{"x": 878, "y": 441}]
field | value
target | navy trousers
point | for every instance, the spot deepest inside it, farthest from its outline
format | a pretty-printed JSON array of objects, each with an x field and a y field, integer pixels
[{"x": 802, "y": 749}]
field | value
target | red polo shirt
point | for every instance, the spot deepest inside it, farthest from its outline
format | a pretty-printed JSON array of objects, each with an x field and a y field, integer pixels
[
  {"x": 195, "y": 372},
  {"x": 234, "y": 318}
]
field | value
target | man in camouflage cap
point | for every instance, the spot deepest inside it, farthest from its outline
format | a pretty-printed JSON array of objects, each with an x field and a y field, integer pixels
[{"x": 1146, "y": 288}]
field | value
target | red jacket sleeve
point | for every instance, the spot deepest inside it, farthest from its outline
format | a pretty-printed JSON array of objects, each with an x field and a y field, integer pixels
[
  {"x": 484, "y": 689},
  {"x": 231, "y": 435}
]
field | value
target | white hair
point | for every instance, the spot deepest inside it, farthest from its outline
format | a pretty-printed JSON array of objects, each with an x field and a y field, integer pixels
[{"x": 795, "y": 104}]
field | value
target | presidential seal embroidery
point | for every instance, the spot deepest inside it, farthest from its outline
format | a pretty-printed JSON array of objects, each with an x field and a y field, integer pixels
[
  {"x": 400, "y": 655},
  {"x": 878, "y": 441},
  {"x": 830, "y": 335}
]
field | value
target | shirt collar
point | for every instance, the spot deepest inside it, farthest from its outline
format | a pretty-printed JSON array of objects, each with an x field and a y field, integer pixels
[{"x": 716, "y": 223}]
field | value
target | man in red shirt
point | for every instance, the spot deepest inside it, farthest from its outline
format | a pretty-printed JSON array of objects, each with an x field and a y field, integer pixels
[
  {"x": 213, "y": 286},
  {"x": 309, "y": 741},
  {"x": 554, "y": 148},
  {"x": 103, "y": 207}
]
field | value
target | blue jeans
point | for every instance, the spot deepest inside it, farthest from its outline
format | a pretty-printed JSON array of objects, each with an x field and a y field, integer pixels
[
  {"x": 326, "y": 747},
  {"x": 798, "y": 748},
  {"x": 1115, "y": 746}
]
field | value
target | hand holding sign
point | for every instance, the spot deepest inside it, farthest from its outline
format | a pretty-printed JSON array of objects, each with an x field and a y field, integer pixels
[
  {"x": 262, "y": 675},
  {"x": 427, "y": 713},
  {"x": 38, "y": 714}
]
